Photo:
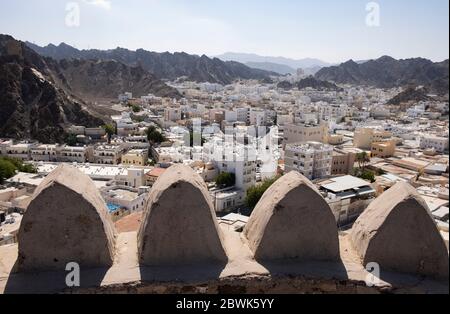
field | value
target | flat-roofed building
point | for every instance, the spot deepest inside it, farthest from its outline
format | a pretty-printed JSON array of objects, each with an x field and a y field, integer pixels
[
  {"x": 4, "y": 144},
  {"x": 108, "y": 154},
  {"x": 172, "y": 114},
  {"x": 440, "y": 144},
  {"x": 342, "y": 162},
  {"x": 20, "y": 151},
  {"x": 411, "y": 163},
  {"x": 153, "y": 175},
  {"x": 312, "y": 159},
  {"x": 76, "y": 130},
  {"x": 364, "y": 137},
  {"x": 135, "y": 157},
  {"x": 335, "y": 139},
  {"x": 347, "y": 196},
  {"x": 300, "y": 133},
  {"x": 384, "y": 149},
  {"x": 227, "y": 200},
  {"x": 131, "y": 199},
  {"x": 95, "y": 133},
  {"x": 75, "y": 154},
  {"x": 44, "y": 153}
]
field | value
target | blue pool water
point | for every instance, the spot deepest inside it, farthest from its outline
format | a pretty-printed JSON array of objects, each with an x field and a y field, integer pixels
[{"x": 112, "y": 208}]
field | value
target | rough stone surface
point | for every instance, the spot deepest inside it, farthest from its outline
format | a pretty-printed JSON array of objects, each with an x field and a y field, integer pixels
[
  {"x": 66, "y": 221},
  {"x": 242, "y": 275},
  {"x": 179, "y": 225},
  {"x": 398, "y": 232},
  {"x": 293, "y": 221}
]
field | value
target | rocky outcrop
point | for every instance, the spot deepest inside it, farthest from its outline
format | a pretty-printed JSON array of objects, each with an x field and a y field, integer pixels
[
  {"x": 398, "y": 232},
  {"x": 94, "y": 79},
  {"x": 179, "y": 225},
  {"x": 310, "y": 82},
  {"x": 387, "y": 72},
  {"x": 32, "y": 105},
  {"x": 410, "y": 95},
  {"x": 66, "y": 221},
  {"x": 293, "y": 221}
]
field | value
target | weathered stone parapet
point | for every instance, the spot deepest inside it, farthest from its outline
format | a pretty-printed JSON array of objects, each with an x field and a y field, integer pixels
[
  {"x": 398, "y": 232},
  {"x": 290, "y": 244},
  {"x": 179, "y": 225},
  {"x": 66, "y": 221},
  {"x": 293, "y": 221}
]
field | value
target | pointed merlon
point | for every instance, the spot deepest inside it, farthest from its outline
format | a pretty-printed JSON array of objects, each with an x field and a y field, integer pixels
[
  {"x": 398, "y": 232},
  {"x": 66, "y": 221},
  {"x": 179, "y": 225},
  {"x": 293, "y": 221}
]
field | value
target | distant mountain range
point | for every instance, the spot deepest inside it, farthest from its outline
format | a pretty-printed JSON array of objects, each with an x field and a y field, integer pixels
[
  {"x": 166, "y": 65},
  {"x": 280, "y": 65},
  {"x": 387, "y": 72},
  {"x": 272, "y": 67},
  {"x": 32, "y": 103},
  {"x": 292, "y": 63}
]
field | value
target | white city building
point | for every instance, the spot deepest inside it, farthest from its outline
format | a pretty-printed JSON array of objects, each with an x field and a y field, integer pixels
[
  {"x": 312, "y": 159},
  {"x": 44, "y": 153},
  {"x": 125, "y": 125},
  {"x": 172, "y": 114},
  {"x": 440, "y": 144},
  {"x": 108, "y": 154}
]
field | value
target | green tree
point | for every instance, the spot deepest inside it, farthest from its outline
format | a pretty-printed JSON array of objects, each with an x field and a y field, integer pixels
[
  {"x": 136, "y": 108},
  {"x": 367, "y": 175},
  {"x": 154, "y": 136},
  {"x": 255, "y": 193},
  {"x": 71, "y": 140},
  {"x": 9, "y": 166},
  {"x": 226, "y": 179},
  {"x": 110, "y": 130},
  {"x": 7, "y": 169}
]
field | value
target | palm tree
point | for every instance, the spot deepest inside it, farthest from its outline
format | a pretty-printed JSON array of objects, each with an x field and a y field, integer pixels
[{"x": 362, "y": 159}]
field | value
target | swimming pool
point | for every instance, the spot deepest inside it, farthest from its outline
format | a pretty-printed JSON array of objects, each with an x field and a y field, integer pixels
[{"x": 112, "y": 208}]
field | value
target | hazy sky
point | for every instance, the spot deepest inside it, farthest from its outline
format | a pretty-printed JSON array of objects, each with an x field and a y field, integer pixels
[{"x": 330, "y": 30}]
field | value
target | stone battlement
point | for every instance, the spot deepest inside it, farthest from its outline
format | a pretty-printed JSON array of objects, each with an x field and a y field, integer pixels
[{"x": 290, "y": 244}]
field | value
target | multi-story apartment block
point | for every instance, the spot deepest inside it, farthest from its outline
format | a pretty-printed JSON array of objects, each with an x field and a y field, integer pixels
[
  {"x": 258, "y": 117},
  {"x": 108, "y": 154},
  {"x": 135, "y": 157},
  {"x": 384, "y": 149},
  {"x": 301, "y": 133},
  {"x": 75, "y": 154},
  {"x": 172, "y": 114},
  {"x": 440, "y": 144},
  {"x": 342, "y": 162},
  {"x": 125, "y": 125},
  {"x": 20, "y": 151},
  {"x": 233, "y": 160},
  {"x": 44, "y": 153},
  {"x": 312, "y": 159},
  {"x": 364, "y": 137}
]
